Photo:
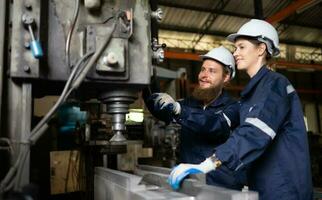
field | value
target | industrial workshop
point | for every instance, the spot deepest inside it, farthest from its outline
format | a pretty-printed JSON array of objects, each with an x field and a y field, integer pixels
[{"x": 160, "y": 99}]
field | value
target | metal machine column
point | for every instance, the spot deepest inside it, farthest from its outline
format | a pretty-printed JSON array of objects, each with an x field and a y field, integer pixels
[{"x": 2, "y": 41}]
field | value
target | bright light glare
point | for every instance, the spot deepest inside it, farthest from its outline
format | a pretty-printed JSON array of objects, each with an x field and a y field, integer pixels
[{"x": 135, "y": 115}]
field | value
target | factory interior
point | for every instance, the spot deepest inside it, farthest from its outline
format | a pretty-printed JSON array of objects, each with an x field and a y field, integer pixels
[{"x": 74, "y": 75}]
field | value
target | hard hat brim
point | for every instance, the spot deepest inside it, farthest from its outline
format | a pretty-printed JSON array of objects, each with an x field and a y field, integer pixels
[
  {"x": 232, "y": 37},
  {"x": 204, "y": 57}
]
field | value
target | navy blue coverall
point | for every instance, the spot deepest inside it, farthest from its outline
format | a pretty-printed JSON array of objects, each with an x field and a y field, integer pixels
[
  {"x": 204, "y": 128},
  {"x": 271, "y": 140}
]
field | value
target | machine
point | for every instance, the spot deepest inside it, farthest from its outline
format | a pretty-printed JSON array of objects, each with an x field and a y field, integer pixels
[{"x": 80, "y": 51}]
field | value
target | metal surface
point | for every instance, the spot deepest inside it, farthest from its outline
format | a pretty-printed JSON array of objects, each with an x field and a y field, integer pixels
[
  {"x": 20, "y": 55},
  {"x": 131, "y": 40},
  {"x": 169, "y": 74},
  {"x": 18, "y": 125},
  {"x": 2, "y": 41},
  {"x": 115, "y": 185},
  {"x": 151, "y": 184},
  {"x": 26, "y": 113},
  {"x": 117, "y": 105},
  {"x": 119, "y": 65}
]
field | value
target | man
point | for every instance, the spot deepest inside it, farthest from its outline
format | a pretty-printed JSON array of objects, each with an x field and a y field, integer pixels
[{"x": 207, "y": 117}]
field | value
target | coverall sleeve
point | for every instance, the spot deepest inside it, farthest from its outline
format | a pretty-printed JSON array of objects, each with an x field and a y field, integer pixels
[
  {"x": 258, "y": 128},
  {"x": 214, "y": 124}
]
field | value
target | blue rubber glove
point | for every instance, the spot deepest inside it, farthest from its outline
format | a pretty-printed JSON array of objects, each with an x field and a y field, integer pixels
[
  {"x": 164, "y": 101},
  {"x": 183, "y": 170}
]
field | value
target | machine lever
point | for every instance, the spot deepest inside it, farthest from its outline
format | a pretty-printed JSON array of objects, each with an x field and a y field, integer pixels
[{"x": 35, "y": 45}]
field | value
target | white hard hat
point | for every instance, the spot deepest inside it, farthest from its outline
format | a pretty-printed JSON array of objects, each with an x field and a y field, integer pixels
[
  {"x": 262, "y": 31},
  {"x": 224, "y": 56}
]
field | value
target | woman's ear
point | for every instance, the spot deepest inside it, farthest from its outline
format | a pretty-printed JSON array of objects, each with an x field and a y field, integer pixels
[{"x": 261, "y": 49}]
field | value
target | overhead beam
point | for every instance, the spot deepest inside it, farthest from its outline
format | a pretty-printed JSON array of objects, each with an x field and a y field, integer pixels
[
  {"x": 182, "y": 56},
  {"x": 209, "y": 22},
  {"x": 200, "y": 9},
  {"x": 228, "y": 13},
  {"x": 278, "y": 64},
  {"x": 224, "y": 34},
  {"x": 190, "y": 30},
  {"x": 287, "y": 11},
  {"x": 297, "y": 65}
]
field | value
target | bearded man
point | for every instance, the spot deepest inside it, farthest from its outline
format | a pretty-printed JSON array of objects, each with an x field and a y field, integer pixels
[{"x": 207, "y": 118}]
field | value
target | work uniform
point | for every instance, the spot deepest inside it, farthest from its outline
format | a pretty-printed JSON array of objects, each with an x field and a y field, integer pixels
[
  {"x": 271, "y": 140},
  {"x": 202, "y": 129}
]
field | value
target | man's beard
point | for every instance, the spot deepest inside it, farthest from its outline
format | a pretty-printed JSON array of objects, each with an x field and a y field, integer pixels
[{"x": 207, "y": 95}]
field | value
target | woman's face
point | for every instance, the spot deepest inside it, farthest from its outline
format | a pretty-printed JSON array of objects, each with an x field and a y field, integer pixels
[{"x": 246, "y": 54}]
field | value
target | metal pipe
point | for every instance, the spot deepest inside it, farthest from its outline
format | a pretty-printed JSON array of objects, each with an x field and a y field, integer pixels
[{"x": 258, "y": 8}]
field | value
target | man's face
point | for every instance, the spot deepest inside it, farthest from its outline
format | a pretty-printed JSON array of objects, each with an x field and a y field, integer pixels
[{"x": 211, "y": 74}]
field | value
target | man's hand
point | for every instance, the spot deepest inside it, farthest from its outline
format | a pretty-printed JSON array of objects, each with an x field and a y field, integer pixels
[
  {"x": 183, "y": 170},
  {"x": 165, "y": 101}
]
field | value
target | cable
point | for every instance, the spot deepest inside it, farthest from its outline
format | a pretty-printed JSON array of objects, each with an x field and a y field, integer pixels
[
  {"x": 93, "y": 59},
  {"x": 42, "y": 125},
  {"x": 62, "y": 97},
  {"x": 70, "y": 33},
  {"x": 74, "y": 83},
  {"x": 21, "y": 166},
  {"x": 39, "y": 129},
  {"x": 6, "y": 180}
]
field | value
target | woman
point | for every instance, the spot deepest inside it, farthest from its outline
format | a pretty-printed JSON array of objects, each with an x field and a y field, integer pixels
[{"x": 271, "y": 141}]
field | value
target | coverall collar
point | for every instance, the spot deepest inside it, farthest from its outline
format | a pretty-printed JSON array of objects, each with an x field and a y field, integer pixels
[{"x": 253, "y": 81}]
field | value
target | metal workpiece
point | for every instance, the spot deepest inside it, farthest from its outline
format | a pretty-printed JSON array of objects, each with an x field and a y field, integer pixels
[
  {"x": 194, "y": 186},
  {"x": 151, "y": 183},
  {"x": 142, "y": 169},
  {"x": 114, "y": 185}
]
